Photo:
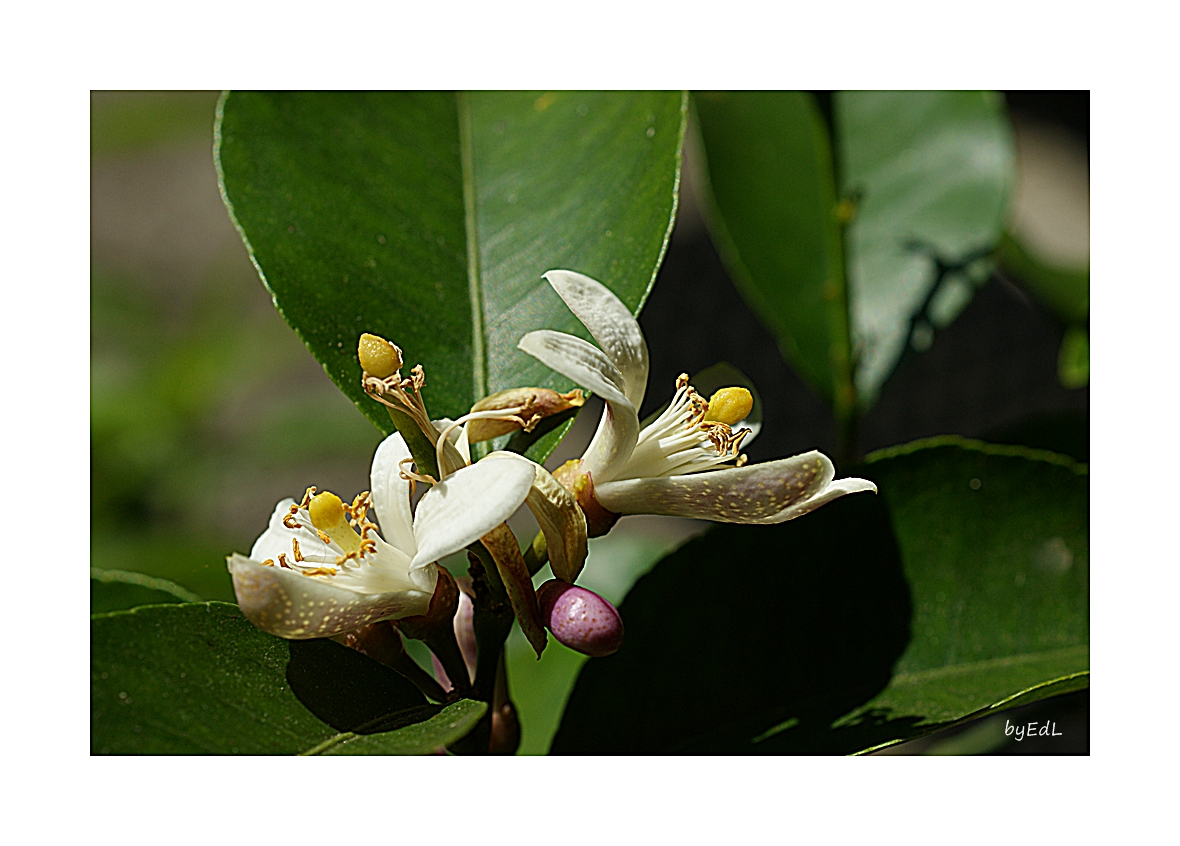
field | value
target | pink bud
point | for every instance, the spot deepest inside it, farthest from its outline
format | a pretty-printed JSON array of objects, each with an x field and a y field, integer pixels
[{"x": 580, "y": 619}]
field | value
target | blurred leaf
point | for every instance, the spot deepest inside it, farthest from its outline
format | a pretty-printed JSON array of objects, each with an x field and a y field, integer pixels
[
  {"x": 1064, "y": 290},
  {"x": 1073, "y": 360},
  {"x": 860, "y": 241},
  {"x": 1066, "y": 432},
  {"x": 116, "y": 590},
  {"x": 195, "y": 562},
  {"x": 771, "y": 203},
  {"x": 962, "y": 588},
  {"x": 199, "y": 678},
  {"x": 123, "y": 121},
  {"x": 428, "y": 218}
]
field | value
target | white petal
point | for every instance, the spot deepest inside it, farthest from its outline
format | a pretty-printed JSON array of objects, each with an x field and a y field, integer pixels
[
  {"x": 276, "y": 540},
  {"x": 613, "y": 442},
  {"x": 391, "y": 495},
  {"x": 467, "y": 505},
  {"x": 576, "y": 359},
  {"x": 772, "y": 492},
  {"x": 290, "y": 605},
  {"x": 560, "y": 519},
  {"x": 610, "y": 322}
]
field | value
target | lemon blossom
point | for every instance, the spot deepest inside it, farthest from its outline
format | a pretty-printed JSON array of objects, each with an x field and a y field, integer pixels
[
  {"x": 676, "y": 465},
  {"x": 322, "y": 568}
]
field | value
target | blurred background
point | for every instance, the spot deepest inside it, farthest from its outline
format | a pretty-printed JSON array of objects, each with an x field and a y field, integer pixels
[{"x": 206, "y": 409}]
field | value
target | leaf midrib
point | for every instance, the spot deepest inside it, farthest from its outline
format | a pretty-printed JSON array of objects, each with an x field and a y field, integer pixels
[{"x": 471, "y": 224}]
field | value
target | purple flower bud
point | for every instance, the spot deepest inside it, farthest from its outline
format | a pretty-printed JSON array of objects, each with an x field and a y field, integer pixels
[{"x": 580, "y": 619}]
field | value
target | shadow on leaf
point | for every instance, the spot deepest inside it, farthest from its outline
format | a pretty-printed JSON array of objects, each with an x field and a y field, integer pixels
[
  {"x": 351, "y": 692},
  {"x": 746, "y": 629}
]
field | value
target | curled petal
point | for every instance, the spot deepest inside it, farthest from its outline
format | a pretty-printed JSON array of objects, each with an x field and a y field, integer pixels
[
  {"x": 467, "y": 505},
  {"x": 391, "y": 495},
  {"x": 613, "y": 442},
  {"x": 297, "y": 607},
  {"x": 772, "y": 492},
  {"x": 610, "y": 322},
  {"x": 579, "y": 360},
  {"x": 561, "y": 520}
]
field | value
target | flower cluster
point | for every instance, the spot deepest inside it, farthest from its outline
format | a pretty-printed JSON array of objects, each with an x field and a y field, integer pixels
[{"x": 323, "y": 568}]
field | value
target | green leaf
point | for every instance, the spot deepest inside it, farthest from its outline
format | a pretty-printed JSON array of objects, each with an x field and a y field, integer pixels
[
  {"x": 428, "y": 218},
  {"x": 199, "y": 678},
  {"x": 864, "y": 239},
  {"x": 117, "y": 590},
  {"x": 448, "y": 725},
  {"x": 770, "y": 193},
  {"x": 962, "y": 588}
]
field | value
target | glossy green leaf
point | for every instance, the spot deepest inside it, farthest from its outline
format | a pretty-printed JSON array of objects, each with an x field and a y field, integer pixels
[
  {"x": 855, "y": 243},
  {"x": 199, "y": 678},
  {"x": 428, "y": 218},
  {"x": 118, "y": 590},
  {"x": 962, "y": 588}
]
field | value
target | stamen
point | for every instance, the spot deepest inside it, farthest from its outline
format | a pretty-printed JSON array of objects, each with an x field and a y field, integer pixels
[
  {"x": 411, "y": 476},
  {"x": 319, "y": 571},
  {"x": 490, "y": 414},
  {"x": 298, "y": 551},
  {"x": 270, "y": 562},
  {"x": 323, "y": 536},
  {"x": 283, "y": 561}
]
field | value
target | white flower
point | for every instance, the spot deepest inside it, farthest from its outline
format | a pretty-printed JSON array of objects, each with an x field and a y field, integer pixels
[
  {"x": 310, "y": 574},
  {"x": 659, "y": 470}
]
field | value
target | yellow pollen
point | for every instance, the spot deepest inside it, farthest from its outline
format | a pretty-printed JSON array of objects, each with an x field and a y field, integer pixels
[
  {"x": 329, "y": 516},
  {"x": 729, "y": 405},
  {"x": 378, "y": 357}
]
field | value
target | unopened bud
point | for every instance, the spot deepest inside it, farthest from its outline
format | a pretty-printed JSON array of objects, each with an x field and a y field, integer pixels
[
  {"x": 580, "y": 618},
  {"x": 378, "y": 357},
  {"x": 523, "y": 408},
  {"x": 505, "y": 738}
]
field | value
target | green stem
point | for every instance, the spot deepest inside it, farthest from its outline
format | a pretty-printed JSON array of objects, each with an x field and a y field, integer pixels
[
  {"x": 536, "y": 555},
  {"x": 420, "y": 446}
]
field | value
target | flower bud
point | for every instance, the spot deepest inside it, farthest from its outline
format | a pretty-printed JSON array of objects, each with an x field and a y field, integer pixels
[
  {"x": 580, "y": 619},
  {"x": 378, "y": 357},
  {"x": 523, "y": 408}
]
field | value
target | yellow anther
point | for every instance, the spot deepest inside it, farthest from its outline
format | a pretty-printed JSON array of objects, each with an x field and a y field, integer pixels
[
  {"x": 329, "y": 516},
  {"x": 729, "y": 406},
  {"x": 379, "y": 357}
]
